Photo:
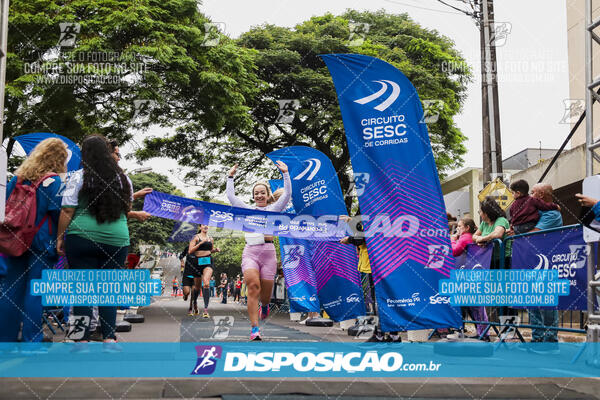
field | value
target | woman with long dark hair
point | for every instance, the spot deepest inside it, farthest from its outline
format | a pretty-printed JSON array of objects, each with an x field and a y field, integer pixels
[{"x": 95, "y": 204}]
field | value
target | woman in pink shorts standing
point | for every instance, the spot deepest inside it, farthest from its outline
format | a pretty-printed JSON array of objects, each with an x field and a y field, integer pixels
[{"x": 259, "y": 260}]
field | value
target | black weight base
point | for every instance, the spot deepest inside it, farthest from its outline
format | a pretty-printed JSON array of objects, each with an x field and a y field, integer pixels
[
  {"x": 123, "y": 326},
  {"x": 134, "y": 318},
  {"x": 319, "y": 322}
]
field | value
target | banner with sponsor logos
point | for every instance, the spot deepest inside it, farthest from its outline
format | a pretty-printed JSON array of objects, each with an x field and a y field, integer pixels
[
  {"x": 563, "y": 250},
  {"x": 475, "y": 257},
  {"x": 243, "y": 219},
  {"x": 398, "y": 190},
  {"x": 316, "y": 190},
  {"x": 299, "y": 275}
]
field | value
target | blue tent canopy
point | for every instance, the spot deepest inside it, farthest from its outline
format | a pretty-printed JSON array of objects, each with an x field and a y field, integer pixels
[{"x": 30, "y": 140}]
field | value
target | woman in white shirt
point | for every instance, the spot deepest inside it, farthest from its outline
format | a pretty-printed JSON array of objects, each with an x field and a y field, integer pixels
[{"x": 259, "y": 259}]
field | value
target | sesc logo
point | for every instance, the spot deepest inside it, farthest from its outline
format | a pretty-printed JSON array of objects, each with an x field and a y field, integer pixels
[
  {"x": 207, "y": 359},
  {"x": 292, "y": 255},
  {"x": 437, "y": 255},
  {"x": 437, "y": 299},
  {"x": 313, "y": 297},
  {"x": 220, "y": 216},
  {"x": 353, "y": 298},
  {"x": 384, "y": 87},
  {"x": 314, "y": 164}
]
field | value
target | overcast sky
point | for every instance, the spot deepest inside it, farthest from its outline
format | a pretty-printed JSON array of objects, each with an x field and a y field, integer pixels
[{"x": 532, "y": 62}]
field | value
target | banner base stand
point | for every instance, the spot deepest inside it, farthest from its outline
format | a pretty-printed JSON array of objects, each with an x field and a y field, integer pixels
[
  {"x": 420, "y": 335},
  {"x": 295, "y": 316},
  {"x": 134, "y": 318},
  {"x": 123, "y": 326},
  {"x": 319, "y": 322},
  {"x": 344, "y": 325}
]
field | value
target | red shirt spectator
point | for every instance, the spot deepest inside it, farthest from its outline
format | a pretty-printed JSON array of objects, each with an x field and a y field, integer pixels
[
  {"x": 525, "y": 209},
  {"x": 133, "y": 260}
]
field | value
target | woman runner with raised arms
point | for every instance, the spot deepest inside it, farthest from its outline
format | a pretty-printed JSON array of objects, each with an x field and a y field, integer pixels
[{"x": 259, "y": 260}]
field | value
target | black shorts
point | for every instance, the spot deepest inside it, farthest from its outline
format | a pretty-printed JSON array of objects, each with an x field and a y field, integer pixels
[
  {"x": 187, "y": 281},
  {"x": 193, "y": 269}
]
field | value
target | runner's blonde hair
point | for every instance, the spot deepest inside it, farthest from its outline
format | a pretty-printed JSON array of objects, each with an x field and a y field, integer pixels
[{"x": 49, "y": 155}]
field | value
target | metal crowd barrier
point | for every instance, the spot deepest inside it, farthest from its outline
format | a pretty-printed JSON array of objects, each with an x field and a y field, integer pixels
[{"x": 499, "y": 251}]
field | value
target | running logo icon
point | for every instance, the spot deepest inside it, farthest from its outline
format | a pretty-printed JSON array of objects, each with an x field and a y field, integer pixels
[
  {"x": 314, "y": 164},
  {"x": 361, "y": 179},
  {"x": 293, "y": 253},
  {"x": 77, "y": 326},
  {"x": 207, "y": 359},
  {"x": 384, "y": 87},
  {"x": 437, "y": 255},
  {"x": 223, "y": 325}
]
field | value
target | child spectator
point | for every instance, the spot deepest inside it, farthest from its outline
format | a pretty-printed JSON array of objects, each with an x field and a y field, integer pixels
[
  {"x": 524, "y": 210},
  {"x": 465, "y": 229},
  {"x": 464, "y": 235}
]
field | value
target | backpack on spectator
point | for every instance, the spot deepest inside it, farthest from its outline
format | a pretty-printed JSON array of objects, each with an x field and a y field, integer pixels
[{"x": 19, "y": 228}]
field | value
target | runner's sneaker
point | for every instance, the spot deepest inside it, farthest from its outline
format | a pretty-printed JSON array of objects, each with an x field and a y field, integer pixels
[
  {"x": 263, "y": 312},
  {"x": 255, "y": 333},
  {"x": 205, "y": 314},
  {"x": 191, "y": 312},
  {"x": 111, "y": 346}
]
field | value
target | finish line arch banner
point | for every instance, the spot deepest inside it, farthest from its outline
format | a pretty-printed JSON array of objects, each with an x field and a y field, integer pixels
[
  {"x": 308, "y": 227},
  {"x": 407, "y": 227},
  {"x": 316, "y": 191}
]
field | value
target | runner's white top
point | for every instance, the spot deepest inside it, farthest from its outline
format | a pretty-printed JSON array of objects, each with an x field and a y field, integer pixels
[{"x": 279, "y": 205}]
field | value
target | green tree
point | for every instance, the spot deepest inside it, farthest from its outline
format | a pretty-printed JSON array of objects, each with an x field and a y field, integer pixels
[
  {"x": 132, "y": 63},
  {"x": 154, "y": 230},
  {"x": 288, "y": 67},
  {"x": 229, "y": 259}
]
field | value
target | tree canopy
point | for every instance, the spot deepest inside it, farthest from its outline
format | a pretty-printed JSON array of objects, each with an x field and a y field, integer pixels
[
  {"x": 154, "y": 230},
  {"x": 117, "y": 66},
  {"x": 288, "y": 66}
]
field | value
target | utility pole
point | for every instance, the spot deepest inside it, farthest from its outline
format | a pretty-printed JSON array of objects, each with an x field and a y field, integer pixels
[
  {"x": 3, "y": 51},
  {"x": 492, "y": 148},
  {"x": 482, "y": 11}
]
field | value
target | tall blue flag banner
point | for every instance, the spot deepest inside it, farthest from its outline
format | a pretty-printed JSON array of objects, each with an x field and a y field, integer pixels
[
  {"x": 243, "y": 219},
  {"x": 398, "y": 190},
  {"x": 564, "y": 250},
  {"x": 30, "y": 140},
  {"x": 299, "y": 275},
  {"x": 316, "y": 190}
]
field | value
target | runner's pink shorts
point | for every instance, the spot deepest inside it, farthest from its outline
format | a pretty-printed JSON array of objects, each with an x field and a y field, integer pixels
[{"x": 261, "y": 257}]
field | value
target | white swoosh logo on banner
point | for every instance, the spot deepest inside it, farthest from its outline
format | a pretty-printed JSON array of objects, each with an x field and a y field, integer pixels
[
  {"x": 387, "y": 102},
  {"x": 312, "y": 162}
]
